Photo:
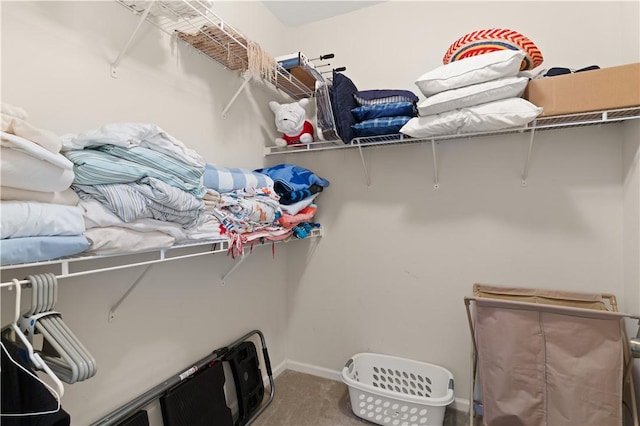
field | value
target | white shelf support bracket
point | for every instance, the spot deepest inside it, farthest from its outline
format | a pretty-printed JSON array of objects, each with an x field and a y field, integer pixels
[
  {"x": 64, "y": 268},
  {"x": 236, "y": 264},
  {"x": 112, "y": 311},
  {"x": 525, "y": 173},
  {"x": 116, "y": 63},
  {"x": 246, "y": 77},
  {"x": 436, "y": 181},
  {"x": 364, "y": 166}
]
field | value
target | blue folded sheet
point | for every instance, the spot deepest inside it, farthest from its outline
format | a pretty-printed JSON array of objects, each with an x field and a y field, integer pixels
[{"x": 36, "y": 249}]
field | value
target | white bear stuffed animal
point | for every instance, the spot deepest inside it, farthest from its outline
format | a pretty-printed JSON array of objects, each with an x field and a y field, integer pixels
[{"x": 291, "y": 120}]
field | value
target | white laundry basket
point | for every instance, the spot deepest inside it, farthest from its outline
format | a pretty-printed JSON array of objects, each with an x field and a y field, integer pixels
[{"x": 394, "y": 391}]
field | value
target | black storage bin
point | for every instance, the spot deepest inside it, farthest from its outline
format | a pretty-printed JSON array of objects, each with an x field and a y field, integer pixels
[
  {"x": 245, "y": 365},
  {"x": 138, "y": 419},
  {"x": 199, "y": 401}
]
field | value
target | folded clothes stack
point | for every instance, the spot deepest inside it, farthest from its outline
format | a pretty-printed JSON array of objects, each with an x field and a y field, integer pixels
[{"x": 40, "y": 218}]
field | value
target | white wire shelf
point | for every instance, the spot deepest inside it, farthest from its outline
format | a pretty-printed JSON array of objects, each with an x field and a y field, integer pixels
[
  {"x": 195, "y": 24},
  {"x": 131, "y": 259},
  {"x": 541, "y": 123}
]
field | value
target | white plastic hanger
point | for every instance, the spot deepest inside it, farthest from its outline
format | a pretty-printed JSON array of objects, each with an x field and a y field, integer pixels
[
  {"x": 35, "y": 358},
  {"x": 55, "y": 325},
  {"x": 73, "y": 363},
  {"x": 66, "y": 365}
]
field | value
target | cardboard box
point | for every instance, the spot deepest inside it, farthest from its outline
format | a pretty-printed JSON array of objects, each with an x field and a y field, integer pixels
[
  {"x": 304, "y": 77},
  {"x": 597, "y": 90}
]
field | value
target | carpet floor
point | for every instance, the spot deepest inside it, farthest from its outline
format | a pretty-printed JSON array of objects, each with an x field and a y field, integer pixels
[{"x": 305, "y": 400}]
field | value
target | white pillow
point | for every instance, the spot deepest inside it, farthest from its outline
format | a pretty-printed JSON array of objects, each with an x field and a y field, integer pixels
[
  {"x": 472, "y": 70},
  {"x": 502, "y": 114},
  {"x": 433, "y": 125},
  {"x": 496, "y": 115},
  {"x": 501, "y": 88}
]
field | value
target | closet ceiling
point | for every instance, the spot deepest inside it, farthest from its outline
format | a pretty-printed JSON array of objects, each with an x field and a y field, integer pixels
[{"x": 295, "y": 13}]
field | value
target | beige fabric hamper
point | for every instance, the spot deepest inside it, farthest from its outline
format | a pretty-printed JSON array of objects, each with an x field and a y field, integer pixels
[{"x": 541, "y": 362}]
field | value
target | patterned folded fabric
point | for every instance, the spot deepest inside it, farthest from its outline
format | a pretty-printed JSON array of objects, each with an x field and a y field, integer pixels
[
  {"x": 287, "y": 177},
  {"x": 305, "y": 215},
  {"x": 389, "y": 109},
  {"x": 147, "y": 198},
  {"x": 225, "y": 179},
  {"x": 376, "y": 96},
  {"x": 380, "y": 126},
  {"x": 94, "y": 167}
]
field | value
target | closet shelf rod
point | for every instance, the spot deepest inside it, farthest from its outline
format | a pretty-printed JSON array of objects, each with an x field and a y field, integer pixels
[{"x": 115, "y": 268}]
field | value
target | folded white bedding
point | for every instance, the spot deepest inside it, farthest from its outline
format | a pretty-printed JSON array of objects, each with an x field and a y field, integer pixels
[
  {"x": 67, "y": 197},
  {"x": 96, "y": 215},
  {"x": 133, "y": 134},
  {"x": 208, "y": 230},
  {"x": 12, "y": 111},
  {"x": 34, "y": 219},
  {"x": 36, "y": 151},
  {"x": 20, "y": 170},
  {"x": 20, "y": 127},
  {"x": 295, "y": 208},
  {"x": 115, "y": 240}
]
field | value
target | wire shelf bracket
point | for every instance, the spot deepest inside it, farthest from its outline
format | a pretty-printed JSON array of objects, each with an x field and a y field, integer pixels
[
  {"x": 116, "y": 63},
  {"x": 236, "y": 265},
  {"x": 436, "y": 180},
  {"x": 112, "y": 311},
  {"x": 525, "y": 172}
]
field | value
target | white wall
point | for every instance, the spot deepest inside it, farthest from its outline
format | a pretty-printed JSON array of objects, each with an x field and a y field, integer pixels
[
  {"x": 397, "y": 259},
  {"x": 55, "y": 65}
]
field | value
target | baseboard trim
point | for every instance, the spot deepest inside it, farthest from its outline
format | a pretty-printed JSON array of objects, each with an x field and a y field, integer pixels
[
  {"x": 459, "y": 404},
  {"x": 278, "y": 369},
  {"x": 314, "y": 370}
]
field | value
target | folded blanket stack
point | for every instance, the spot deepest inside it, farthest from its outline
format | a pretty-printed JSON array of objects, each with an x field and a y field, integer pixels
[
  {"x": 382, "y": 112},
  {"x": 297, "y": 188},
  {"x": 368, "y": 113},
  {"x": 130, "y": 187},
  {"x": 140, "y": 188},
  {"x": 39, "y": 219},
  {"x": 245, "y": 204}
]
